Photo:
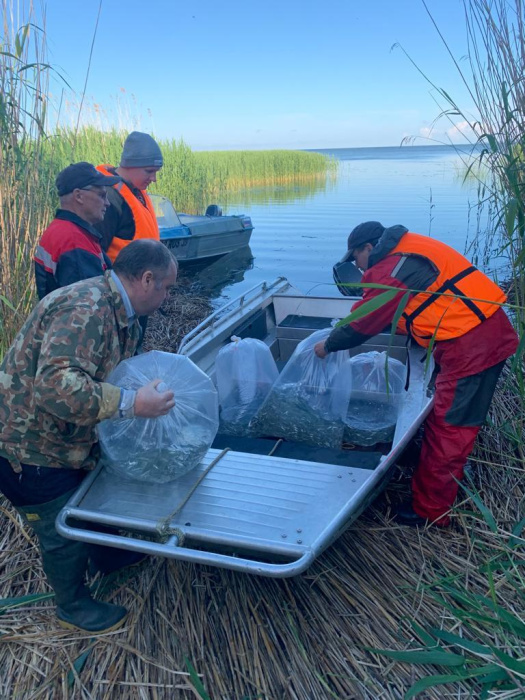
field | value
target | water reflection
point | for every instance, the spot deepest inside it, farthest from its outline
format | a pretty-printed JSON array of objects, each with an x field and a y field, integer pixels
[
  {"x": 286, "y": 193},
  {"x": 301, "y": 229},
  {"x": 210, "y": 279}
]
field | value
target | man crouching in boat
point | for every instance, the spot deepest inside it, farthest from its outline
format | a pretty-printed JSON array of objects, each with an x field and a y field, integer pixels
[{"x": 471, "y": 337}]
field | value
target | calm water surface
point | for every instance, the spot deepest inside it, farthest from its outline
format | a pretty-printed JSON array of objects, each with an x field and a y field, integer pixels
[{"x": 301, "y": 231}]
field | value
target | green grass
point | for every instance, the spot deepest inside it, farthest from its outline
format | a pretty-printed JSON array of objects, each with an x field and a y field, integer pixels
[
  {"x": 479, "y": 639},
  {"x": 192, "y": 180}
]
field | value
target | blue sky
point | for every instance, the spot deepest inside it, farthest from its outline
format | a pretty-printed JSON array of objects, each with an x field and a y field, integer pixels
[{"x": 259, "y": 74}]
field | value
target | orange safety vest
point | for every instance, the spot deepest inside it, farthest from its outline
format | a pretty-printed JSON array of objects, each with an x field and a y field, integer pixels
[
  {"x": 438, "y": 312},
  {"x": 146, "y": 225}
]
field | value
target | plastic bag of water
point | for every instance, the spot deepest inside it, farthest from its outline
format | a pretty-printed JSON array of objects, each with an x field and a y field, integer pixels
[
  {"x": 245, "y": 372},
  {"x": 305, "y": 405},
  {"x": 377, "y": 386},
  {"x": 161, "y": 449}
]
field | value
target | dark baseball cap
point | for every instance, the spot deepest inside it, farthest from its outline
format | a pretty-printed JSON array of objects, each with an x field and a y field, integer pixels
[
  {"x": 80, "y": 175},
  {"x": 368, "y": 232}
]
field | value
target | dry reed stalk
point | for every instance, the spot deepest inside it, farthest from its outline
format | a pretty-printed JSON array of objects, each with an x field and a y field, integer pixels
[
  {"x": 180, "y": 313},
  {"x": 304, "y": 638},
  {"x": 24, "y": 186},
  {"x": 301, "y": 638}
]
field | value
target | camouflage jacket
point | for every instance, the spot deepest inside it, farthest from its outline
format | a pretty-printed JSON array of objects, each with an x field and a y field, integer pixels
[{"x": 52, "y": 379}]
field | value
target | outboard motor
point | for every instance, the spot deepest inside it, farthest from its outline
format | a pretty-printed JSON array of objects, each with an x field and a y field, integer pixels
[
  {"x": 214, "y": 210},
  {"x": 345, "y": 272}
]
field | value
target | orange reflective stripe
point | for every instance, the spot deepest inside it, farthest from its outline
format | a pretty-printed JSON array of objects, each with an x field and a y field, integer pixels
[
  {"x": 440, "y": 311},
  {"x": 144, "y": 216}
]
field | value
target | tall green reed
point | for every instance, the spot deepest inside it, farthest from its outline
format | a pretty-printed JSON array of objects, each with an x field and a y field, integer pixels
[
  {"x": 478, "y": 642},
  {"x": 24, "y": 187},
  {"x": 492, "y": 73},
  {"x": 192, "y": 180}
]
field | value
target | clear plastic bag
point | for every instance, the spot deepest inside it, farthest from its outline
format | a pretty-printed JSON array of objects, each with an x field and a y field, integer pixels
[
  {"x": 245, "y": 372},
  {"x": 161, "y": 449},
  {"x": 305, "y": 405},
  {"x": 377, "y": 387}
]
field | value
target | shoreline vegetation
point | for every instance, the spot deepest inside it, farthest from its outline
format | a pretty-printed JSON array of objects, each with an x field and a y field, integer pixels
[
  {"x": 191, "y": 180},
  {"x": 386, "y": 611}
]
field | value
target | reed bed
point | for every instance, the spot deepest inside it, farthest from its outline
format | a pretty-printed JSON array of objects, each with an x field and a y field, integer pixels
[
  {"x": 180, "y": 313},
  {"x": 241, "y": 169},
  {"x": 24, "y": 197},
  {"x": 492, "y": 74},
  {"x": 192, "y": 180}
]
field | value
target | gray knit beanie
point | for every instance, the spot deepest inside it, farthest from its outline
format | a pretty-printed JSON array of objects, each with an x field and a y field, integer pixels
[{"x": 140, "y": 150}]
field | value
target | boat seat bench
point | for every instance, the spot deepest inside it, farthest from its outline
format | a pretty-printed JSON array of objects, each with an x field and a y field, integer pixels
[{"x": 360, "y": 459}]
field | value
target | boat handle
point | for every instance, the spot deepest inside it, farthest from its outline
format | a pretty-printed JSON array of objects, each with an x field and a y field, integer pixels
[{"x": 171, "y": 550}]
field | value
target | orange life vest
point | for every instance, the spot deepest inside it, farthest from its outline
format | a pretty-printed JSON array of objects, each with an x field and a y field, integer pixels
[
  {"x": 144, "y": 216},
  {"x": 439, "y": 312}
]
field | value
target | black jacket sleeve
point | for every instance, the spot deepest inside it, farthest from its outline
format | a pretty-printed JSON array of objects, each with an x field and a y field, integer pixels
[
  {"x": 41, "y": 279},
  {"x": 344, "y": 338},
  {"x": 118, "y": 220},
  {"x": 76, "y": 265}
]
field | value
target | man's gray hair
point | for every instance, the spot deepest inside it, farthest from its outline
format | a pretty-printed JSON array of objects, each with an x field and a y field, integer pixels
[{"x": 142, "y": 255}]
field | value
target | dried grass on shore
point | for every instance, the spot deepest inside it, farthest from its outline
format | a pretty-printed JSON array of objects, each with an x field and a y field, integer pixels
[
  {"x": 179, "y": 314},
  {"x": 248, "y": 637}
]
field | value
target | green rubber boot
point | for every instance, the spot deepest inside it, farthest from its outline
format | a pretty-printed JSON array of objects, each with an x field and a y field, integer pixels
[
  {"x": 65, "y": 563},
  {"x": 93, "y": 616},
  {"x": 109, "y": 560}
]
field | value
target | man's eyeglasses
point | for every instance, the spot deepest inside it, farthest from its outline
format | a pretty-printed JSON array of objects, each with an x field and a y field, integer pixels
[{"x": 100, "y": 192}]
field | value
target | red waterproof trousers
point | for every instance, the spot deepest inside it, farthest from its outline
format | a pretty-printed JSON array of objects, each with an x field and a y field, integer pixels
[
  {"x": 460, "y": 408},
  {"x": 469, "y": 371}
]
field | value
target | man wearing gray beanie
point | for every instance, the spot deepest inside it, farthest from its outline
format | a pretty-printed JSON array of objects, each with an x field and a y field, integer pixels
[{"x": 130, "y": 215}]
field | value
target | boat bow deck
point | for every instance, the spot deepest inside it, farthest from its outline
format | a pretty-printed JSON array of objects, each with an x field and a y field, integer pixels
[{"x": 287, "y": 506}]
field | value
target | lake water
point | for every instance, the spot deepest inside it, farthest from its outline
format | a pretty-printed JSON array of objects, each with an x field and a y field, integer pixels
[{"x": 301, "y": 231}]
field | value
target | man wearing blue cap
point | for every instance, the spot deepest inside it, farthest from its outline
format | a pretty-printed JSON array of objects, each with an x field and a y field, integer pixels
[
  {"x": 452, "y": 308},
  {"x": 70, "y": 248}
]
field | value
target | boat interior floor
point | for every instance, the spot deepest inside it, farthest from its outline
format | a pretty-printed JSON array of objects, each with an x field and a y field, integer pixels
[{"x": 357, "y": 458}]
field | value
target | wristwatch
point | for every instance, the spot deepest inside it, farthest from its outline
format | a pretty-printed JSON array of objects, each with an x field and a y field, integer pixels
[{"x": 126, "y": 408}]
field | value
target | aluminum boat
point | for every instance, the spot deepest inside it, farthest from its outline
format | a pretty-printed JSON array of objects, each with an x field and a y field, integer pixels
[{"x": 256, "y": 505}]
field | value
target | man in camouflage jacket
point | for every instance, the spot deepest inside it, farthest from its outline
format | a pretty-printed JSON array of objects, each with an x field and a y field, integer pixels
[{"x": 52, "y": 395}]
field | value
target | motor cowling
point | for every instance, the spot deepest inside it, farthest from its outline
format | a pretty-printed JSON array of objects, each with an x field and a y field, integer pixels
[
  {"x": 345, "y": 272},
  {"x": 214, "y": 210}
]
